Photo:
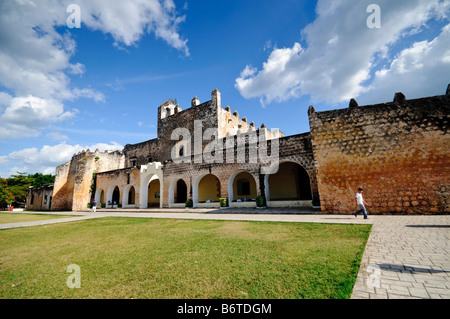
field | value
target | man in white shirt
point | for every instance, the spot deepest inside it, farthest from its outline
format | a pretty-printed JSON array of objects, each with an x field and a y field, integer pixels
[{"x": 360, "y": 201}]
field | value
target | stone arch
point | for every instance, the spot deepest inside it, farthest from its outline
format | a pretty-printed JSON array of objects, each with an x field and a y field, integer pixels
[
  {"x": 113, "y": 194},
  {"x": 291, "y": 183},
  {"x": 148, "y": 174},
  {"x": 168, "y": 109},
  {"x": 154, "y": 193},
  {"x": 206, "y": 187},
  {"x": 100, "y": 196},
  {"x": 181, "y": 194},
  {"x": 129, "y": 196},
  {"x": 178, "y": 192},
  {"x": 248, "y": 185}
]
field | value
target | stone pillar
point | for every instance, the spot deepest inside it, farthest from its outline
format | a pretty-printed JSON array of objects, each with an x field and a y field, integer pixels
[
  {"x": 195, "y": 102},
  {"x": 216, "y": 99}
]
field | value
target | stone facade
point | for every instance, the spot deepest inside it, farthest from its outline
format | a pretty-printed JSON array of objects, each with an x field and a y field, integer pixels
[
  {"x": 73, "y": 180},
  {"x": 40, "y": 198},
  {"x": 396, "y": 151}
]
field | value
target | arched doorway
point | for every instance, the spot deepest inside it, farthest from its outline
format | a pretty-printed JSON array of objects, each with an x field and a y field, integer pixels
[
  {"x": 181, "y": 192},
  {"x": 242, "y": 187},
  {"x": 290, "y": 184},
  {"x": 100, "y": 197},
  {"x": 131, "y": 196},
  {"x": 207, "y": 189},
  {"x": 150, "y": 172},
  {"x": 153, "y": 193},
  {"x": 116, "y": 196}
]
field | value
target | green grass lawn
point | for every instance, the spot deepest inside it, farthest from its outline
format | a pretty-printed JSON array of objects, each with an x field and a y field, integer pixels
[
  {"x": 7, "y": 218},
  {"x": 167, "y": 258}
]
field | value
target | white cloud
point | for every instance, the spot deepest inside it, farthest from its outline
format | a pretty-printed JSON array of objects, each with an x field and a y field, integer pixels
[
  {"x": 5, "y": 100},
  {"x": 248, "y": 72},
  {"x": 77, "y": 68},
  {"x": 35, "y": 59},
  {"x": 412, "y": 70},
  {"x": 128, "y": 21},
  {"x": 89, "y": 93},
  {"x": 27, "y": 116},
  {"x": 342, "y": 54},
  {"x": 45, "y": 160}
]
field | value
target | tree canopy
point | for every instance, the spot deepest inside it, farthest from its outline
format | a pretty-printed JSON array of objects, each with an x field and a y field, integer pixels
[
  {"x": 6, "y": 196},
  {"x": 14, "y": 190}
]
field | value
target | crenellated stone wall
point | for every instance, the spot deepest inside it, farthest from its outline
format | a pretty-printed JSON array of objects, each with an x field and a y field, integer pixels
[
  {"x": 397, "y": 152},
  {"x": 74, "y": 179}
]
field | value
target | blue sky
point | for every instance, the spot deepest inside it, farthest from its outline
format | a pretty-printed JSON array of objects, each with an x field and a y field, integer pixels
[{"x": 63, "y": 90}]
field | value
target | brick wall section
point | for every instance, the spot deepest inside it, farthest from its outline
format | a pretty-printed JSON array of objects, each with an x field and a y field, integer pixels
[
  {"x": 159, "y": 149},
  {"x": 296, "y": 148},
  {"x": 73, "y": 179},
  {"x": 39, "y": 198},
  {"x": 398, "y": 152},
  {"x": 121, "y": 178},
  {"x": 143, "y": 152},
  {"x": 210, "y": 113},
  {"x": 207, "y": 112},
  {"x": 63, "y": 187},
  {"x": 192, "y": 172}
]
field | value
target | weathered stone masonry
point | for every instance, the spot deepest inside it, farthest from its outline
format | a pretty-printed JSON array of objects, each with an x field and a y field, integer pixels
[
  {"x": 73, "y": 179},
  {"x": 40, "y": 198},
  {"x": 398, "y": 152}
]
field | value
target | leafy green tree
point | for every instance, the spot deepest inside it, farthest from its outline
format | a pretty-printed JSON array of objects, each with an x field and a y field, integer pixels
[
  {"x": 40, "y": 179},
  {"x": 18, "y": 184},
  {"x": 6, "y": 196}
]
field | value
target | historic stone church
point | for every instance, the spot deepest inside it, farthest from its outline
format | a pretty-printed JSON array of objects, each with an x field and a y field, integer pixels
[{"x": 396, "y": 151}]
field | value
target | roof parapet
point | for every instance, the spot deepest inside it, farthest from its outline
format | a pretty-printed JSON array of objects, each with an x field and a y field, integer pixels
[
  {"x": 215, "y": 98},
  {"x": 195, "y": 102},
  {"x": 353, "y": 103},
  {"x": 399, "y": 98}
]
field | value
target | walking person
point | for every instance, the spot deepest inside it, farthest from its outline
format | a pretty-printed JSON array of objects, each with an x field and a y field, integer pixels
[
  {"x": 94, "y": 206},
  {"x": 361, "y": 202}
]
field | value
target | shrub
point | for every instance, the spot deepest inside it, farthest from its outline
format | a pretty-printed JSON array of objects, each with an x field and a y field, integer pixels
[
  {"x": 223, "y": 202},
  {"x": 189, "y": 203},
  {"x": 261, "y": 201}
]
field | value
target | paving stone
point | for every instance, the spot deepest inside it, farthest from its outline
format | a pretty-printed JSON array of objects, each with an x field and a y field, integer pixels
[
  {"x": 396, "y": 296},
  {"x": 418, "y": 292},
  {"x": 399, "y": 289},
  {"x": 414, "y": 260}
]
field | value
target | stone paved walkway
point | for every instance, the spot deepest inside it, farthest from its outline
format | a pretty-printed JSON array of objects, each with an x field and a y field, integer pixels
[{"x": 405, "y": 256}]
